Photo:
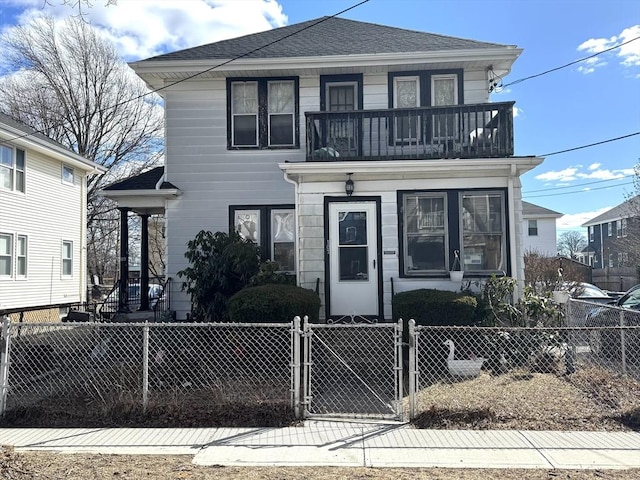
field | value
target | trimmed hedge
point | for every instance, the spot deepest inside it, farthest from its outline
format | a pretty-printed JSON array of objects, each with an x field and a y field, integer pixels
[
  {"x": 435, "y": 307},
  {"x": 273, "y": 304}
]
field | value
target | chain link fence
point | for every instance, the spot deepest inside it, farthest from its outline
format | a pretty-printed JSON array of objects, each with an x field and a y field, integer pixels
[
  {"x": 137, "y": 367},
  {"x": 353, "y": 370}
]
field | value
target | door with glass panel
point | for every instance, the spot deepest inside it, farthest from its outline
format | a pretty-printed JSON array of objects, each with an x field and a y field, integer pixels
[
  {"x": 444, "y": 92},
  {"x": 353, "y": 259}
]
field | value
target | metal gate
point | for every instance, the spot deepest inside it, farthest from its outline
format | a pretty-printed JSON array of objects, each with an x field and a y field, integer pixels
[{"x": 353, "y": 370}]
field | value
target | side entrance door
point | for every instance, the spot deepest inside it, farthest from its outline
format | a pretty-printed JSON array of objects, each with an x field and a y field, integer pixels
[{"x": 353, "y": 261}]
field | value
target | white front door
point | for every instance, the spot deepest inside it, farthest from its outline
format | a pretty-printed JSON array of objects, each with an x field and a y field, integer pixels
[{"x": 353, "y": 259}]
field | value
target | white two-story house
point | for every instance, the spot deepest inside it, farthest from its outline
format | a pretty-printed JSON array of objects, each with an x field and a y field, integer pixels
[
  {"x": 359, "y": 156},
  {"x": 539, "y": 229},
  {"x": 43, "y": 211}
]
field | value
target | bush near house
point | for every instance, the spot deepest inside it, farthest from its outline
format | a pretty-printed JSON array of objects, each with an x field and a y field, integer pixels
[
  {"x": 220, "y": 265},
  {"x": 273, "y": 304},
  {"x": 435, "y": 307}
]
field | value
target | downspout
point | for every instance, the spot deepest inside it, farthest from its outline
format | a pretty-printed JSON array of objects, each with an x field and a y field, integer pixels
[
  {"x": 515, "y": 265},
  {"x": 83, "y": 237},
  {"x": 296, "y": 236}
]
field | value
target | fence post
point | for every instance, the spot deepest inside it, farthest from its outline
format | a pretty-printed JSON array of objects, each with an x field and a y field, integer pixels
[
  {"x": 399, "y": 370},
  {"x": 295, "y": 365},
  {"x": 623, "y": 351},
  {"x": 4, "y": 363},
  {"x": 145, "y": 367},
  {"x": 412, "y": 369},
  {"x": 306, "y": 399}
]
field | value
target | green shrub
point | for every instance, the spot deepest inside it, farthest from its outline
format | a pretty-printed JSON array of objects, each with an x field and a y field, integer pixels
[
  {"x": 435, "y": 307},
  {"x": 220, "y": 266},
  {"x": 273, "y": 304}
]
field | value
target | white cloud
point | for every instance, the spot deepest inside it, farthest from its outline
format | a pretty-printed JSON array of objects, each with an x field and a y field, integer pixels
[
  {"x": 575, "y": 220},
  {"x": 574, "y": 173},
  {"x": 628, "y": 55},
  {"x": 516, "y": 111},
  {"x": 144, "y": 28}
]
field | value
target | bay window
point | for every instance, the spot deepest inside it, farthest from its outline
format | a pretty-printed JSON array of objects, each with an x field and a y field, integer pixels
[
  {"x": 262, "y": 113},
  {"x": 433, "y": 224}
]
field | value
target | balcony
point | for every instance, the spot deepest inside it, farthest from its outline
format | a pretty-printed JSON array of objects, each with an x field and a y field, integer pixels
[{"x": 460, "y": 131}]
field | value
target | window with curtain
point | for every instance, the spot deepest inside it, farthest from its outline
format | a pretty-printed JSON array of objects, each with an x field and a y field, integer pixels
[{"x": 262, "y": 113}]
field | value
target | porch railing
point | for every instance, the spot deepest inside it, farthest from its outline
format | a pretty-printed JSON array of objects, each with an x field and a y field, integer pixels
[{"x": 460, "y": 131}]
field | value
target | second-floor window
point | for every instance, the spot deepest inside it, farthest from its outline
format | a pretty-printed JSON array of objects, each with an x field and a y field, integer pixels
[
  {"x": 262, "y": 113},
  {"x": 12, "y": 168},
  {"x": 590, "y": 230},
  {"x": 533, "y": 228},
  {"x": 622, "y": 228},
  {"x": 610, "y": 228}
]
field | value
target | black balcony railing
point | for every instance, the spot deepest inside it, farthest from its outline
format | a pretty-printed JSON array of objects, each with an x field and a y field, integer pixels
[{"x": 460, "y": 131}]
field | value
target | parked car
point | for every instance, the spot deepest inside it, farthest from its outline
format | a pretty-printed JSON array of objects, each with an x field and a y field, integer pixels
[
  {"x": 590, "y": 293},
  {"x": 608, "y": 343},
  {"x": 109, "y": 307}
]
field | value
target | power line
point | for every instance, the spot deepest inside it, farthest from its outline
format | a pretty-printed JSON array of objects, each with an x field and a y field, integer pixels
[
  {"x": 124, "y": 102},
  {"x": 581, "y": 185},
  {"x": 590, "y": 145},
  {"x": 568, "y": 64},
  {"x": 579, "y": 191}
]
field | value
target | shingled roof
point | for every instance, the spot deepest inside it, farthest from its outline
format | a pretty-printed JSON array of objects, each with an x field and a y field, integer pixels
[
  {"x": 531, "y": 210},
  {"x": 144, "y": 181},
  {"x": 326, "y": 36},
  {"x": 28, "y": 131},
  {"x": 627, "y": 209}
]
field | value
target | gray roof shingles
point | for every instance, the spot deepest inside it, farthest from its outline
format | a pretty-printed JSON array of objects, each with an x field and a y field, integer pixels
[
  {"x": 325, "y": 36},
  {"x": 629, "y": 208},
  {"x": 144, "y": 181},
  {"x": 28, "y": 131},
  {"x": 530, "y": 209}
]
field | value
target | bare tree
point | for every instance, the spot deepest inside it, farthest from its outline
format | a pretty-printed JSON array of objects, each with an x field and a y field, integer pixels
[
  {"x": 79, "y": 6},
  {"x": 70, "y": 84},
  {"x": 571, "y": 243}
]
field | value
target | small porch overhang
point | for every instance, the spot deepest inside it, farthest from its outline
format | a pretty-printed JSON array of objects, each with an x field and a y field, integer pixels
[{"x": 145, "y": 195}]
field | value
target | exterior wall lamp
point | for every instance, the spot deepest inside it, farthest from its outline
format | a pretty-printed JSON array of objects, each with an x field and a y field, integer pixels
[{"x": 348, "y": 185}]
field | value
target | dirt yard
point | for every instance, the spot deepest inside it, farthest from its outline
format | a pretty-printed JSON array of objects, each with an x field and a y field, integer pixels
[{"x": 51, "y": 466}]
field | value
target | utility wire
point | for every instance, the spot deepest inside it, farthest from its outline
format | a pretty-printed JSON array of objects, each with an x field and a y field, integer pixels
[
  {"x": 515, "y": 82},
  {"x": 124, "y": 102},
  {"x": 589, "y": 145},
  {"x": 579, "y": 191},
  {"x": 581, "y": 185}
]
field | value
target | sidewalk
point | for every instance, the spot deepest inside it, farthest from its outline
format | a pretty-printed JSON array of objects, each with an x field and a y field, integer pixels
[{"x": 336, "y": 443}]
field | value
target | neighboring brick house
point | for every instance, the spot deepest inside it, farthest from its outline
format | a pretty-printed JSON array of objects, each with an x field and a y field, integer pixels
[
  {"x": 358, "y": 155},
  {"x": 43, "y": 216},
  {"x": 614, "y": 244},
  {"x": 539, "y": 229}
]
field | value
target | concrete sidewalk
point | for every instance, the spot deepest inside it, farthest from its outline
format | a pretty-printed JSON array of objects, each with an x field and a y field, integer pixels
[{"x": 342, "y": 443}]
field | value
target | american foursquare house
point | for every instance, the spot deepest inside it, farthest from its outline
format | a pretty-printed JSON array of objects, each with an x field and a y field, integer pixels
[{"x": 363, "y": 158}]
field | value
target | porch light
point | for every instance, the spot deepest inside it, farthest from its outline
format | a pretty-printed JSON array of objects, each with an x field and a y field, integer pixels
[{"x": 348, "y": 186}]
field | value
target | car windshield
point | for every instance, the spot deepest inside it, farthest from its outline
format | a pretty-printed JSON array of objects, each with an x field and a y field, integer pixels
[
  {"x": 591, "y": 291},
  {"x": 631, "y": 299}
]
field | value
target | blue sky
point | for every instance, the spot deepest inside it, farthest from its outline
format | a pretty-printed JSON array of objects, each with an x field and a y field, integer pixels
[{"x": 585, "y": 103}]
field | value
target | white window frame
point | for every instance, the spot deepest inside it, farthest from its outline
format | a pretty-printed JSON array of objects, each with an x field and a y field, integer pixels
[
  {"x": 272, "y": 239},
  {"x": 67, "y": 171},
  {"x": 621, "y": 228},
  {"x": 611, "y": 260},
  {"x": 532, "y": 226},
  {"x": 14, "y": 170},
  {"x": 20, "y": 254},
  {"x": 8, "y": 255},
  {"x": 66, "y": 260},
  {"x": 610, "y": 228},
  {"x": 590, "y": 230}
]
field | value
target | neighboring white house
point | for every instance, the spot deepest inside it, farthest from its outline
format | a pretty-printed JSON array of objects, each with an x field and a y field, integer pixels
[
  {"x": 361, "y": 155},
  {"x": 539, "y": 229},
  {"x": 43, "y": 192}
]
